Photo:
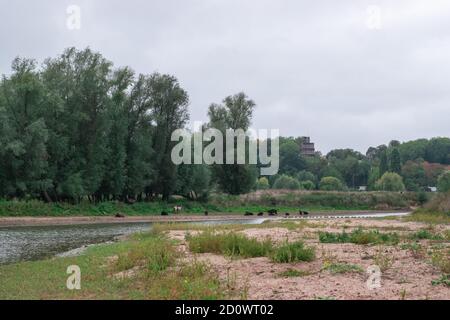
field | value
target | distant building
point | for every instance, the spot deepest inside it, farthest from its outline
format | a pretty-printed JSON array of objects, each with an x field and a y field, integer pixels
[
  {"x": 431, "y": 189},
  {"x": 362, "y": 188},
  {"x": 307, "y": 147}
]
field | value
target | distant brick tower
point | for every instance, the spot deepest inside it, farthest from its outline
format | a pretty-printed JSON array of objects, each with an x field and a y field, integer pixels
[{"x": 306, "y": 147}]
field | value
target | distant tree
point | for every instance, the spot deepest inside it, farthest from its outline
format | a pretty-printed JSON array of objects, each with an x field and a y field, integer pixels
[
  {"x": 331, "y": 184},
  {"x": 262, "y": 184},
  {"x": 307, "y": 185},
  {"x": 290, "y": 160},
  {"x": 384, "y": 165},
  {"x": 235, "y": 113},
  {"x": 305, "y": 176},
  {"x": 395, "y": 162},
  {"x": 414, "y": 175},
  {"x": 438, "y": 151},
  {"x": 286, "y": 182},
  {"x": 444, "y": 182},
  {"x": 374, "y": 175},
  {"x": 390, "y": 181}
]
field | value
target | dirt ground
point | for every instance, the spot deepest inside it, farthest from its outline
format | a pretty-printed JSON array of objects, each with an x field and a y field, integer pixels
[{"x": 405, "y": 275}]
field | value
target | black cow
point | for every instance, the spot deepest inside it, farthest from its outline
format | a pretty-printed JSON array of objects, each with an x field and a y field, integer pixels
[
  {"x": 120, "y": 215},
  {"x": 164, "y": 213},
  {"x": 206, "y": 213},
  {"x": 248, "y": 213},
  {"x": 273, "y": 211},
  {"x": 287, "y": 214},
  {"x": 260, "y": 214}
]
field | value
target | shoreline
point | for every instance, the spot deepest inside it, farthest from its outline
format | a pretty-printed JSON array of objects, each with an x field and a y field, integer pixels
[{"x": 88, "y": 220}]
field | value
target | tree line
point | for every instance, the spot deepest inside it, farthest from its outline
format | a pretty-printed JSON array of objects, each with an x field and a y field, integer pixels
[{"x": 75, "y": 127}]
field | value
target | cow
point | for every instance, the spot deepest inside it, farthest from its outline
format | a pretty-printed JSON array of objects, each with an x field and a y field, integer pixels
[
  {"x": 206, "y": 213},
  {"x": 248, "y": 213},
  {"x": 177, "y": 209},
  {"x": 287, "y": 214},
  {"x": 260, "y": 214},
  {"x": 120, "y": 215},
  {"x": 164, "y": 213},
  {"x": 273, "y": 211}
]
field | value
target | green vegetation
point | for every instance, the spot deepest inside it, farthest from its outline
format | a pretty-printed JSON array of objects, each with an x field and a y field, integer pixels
[
  {"x": 286, "y": 182},
  {"x": 293, "y": 252},
  {"x": 146, "y": 267},
  {"x": 359, "y": 236},
  {"x": 443, "y": 280},
  {"x": 336, "y": 268},
  {"x": 390, "y": 181},
  {"x": 444, "y": 182},
  {"x": 331, "y": 184},
  {"x": 437, "y": 210},
  {"x": 231, "y": 244},
  {"x": 293, "y": 273}
]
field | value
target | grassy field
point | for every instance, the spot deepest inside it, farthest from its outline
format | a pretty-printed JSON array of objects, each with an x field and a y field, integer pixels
[{"x": 256, "y": 202}]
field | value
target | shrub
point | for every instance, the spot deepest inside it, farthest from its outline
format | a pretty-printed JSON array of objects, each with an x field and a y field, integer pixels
[
  {"x": 286, "y": 182},
  {"x": 262, "y": 184},
  {"x": 293, "y": 252},
  {"x": 359, "y": 236},
  {"x": 231, "y": 244},
  {"x": 444, "y": 182},
  {"x": 331, "y": 184},
  {"x": 336, "y": 268},
  {"x": 307, "y": 185},
  {"x": 390, "y": 181}
]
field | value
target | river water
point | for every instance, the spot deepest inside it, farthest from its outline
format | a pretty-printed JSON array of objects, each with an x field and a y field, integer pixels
[{"x": 40, "y": 242}]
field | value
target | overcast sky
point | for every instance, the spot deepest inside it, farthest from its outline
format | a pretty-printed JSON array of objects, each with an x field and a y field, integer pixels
[{"x": 347, "y": 73}]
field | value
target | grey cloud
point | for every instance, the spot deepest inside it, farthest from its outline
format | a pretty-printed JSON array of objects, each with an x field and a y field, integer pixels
[{"x": 313, "y": 68}]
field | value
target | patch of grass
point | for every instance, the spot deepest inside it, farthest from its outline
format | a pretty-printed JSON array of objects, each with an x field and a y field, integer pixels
[
  {"x": 384, "y": 260},
  {"x": 359, "y": 236},
  {"x": 293, "y": 273},
  {"x": 293, "y": 252},
  {"x": 425, "y": 234},
  {"x": 441, "y": 259},
  {"x": 443, "y": 280},
  {"x": 231, "y": 244},
  {"x": 336, "y": 268},
  {"x": 416, "y": 249}
]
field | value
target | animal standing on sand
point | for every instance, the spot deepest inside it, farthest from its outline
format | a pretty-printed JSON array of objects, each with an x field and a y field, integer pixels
[
  {"x": 260, "y": 214},
  {"x": 287, "y": 214},
  {"x": 248, "y": 213},
  {"x": 206, "y": 213},
  {"x": 120, "y": 215},
  {"x": 272, "y": 212},
  {"x": 164, "y": 213}
]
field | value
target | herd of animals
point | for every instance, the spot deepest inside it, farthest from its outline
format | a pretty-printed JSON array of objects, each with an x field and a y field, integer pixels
[{"x": 271, "y": 212}]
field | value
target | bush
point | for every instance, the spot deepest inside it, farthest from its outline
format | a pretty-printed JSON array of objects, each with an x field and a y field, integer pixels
[
  {"x": 231, "y": 244},
  {"x": 331, "y": 184},
  {"x": 359, "y": 236},
  {"x": 444, "y": 182},
  {"x": 262, "y": 184},
  {"x": 286, "y": 182},
  {"x": 307, "y": 185},
  {"x": 293, "y": 252},
  {"x": 390, "y": 181}
]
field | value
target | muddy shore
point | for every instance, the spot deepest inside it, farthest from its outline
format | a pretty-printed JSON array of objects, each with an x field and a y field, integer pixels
[{"x": 79, "y": 220}]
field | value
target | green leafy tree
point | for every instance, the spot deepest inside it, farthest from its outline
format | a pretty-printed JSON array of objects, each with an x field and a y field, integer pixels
[
  {"x": 286, "y": 182},
  {"x": 390, "y": 181},
  {"x": 395, "y": 162},
  {"x": 384, "y": 165},
  {"x": 331, "y": 184},
  {"x": 262, "y": 184},
  {"x": 444, "y": 182},
  {"x": 235, "y": 113},
  {"x": 307, "y": 185}
]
